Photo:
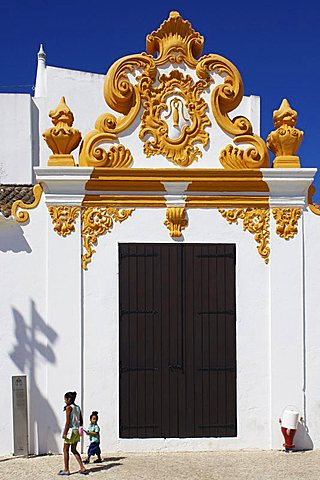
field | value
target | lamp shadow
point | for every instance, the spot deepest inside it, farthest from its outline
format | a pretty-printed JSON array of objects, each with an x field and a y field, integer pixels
[{"x": 34, "y": 341}]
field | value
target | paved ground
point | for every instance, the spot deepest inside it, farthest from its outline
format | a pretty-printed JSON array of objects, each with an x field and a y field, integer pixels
[{"x": 242, "y": 465}]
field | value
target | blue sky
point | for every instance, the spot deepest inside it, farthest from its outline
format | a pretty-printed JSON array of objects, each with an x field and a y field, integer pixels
[{"x": 275, "y": 45}]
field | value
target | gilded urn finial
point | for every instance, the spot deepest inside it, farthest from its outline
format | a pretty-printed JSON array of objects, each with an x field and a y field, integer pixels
[
  {"x": 62, "y": 139},
  {"x": 286, "y": 139}
]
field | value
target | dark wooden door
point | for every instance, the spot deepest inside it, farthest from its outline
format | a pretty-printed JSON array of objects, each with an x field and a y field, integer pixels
[{"x": 177, "y": 340}]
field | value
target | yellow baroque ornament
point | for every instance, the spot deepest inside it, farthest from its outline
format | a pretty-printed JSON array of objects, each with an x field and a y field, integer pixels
[
  {"x": 253, "y": 157},
  {"x": 63, "y": 218},
  {"x": 176, "y": 221},
  {"x": 95, "y": 222},
  {"x": 255, "y": 221},
  {"x": 175, "y": 41},
  {"x": 175, "y": 117},
  {"x": 23, "y": 216},
  {"x": 123, "y": 97},
  {"x": 286, "y": 220},
  {"x": 314, "y": 207},
  {"x": 286, "y": 139},
  {"x": 174, "y": 114}
]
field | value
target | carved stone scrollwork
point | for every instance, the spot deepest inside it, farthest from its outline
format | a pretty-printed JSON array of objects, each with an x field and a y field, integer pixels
[
  {"x": 286, "y": 220},
  {"x": 255, "y": 221},
  {"x": 62, "y": 139},
  {"x": 63, "y": 219},
  {"x": 174, "y": 112},
  {"x": 175, "y": 41},
  {"x": 187, "y": 112},
  {"x": 95, "y": 222},
  {"x": 176, "y": 221},
  {"x": 123, "y": 97},
  {"x": 253, "y": 157},
  {"x": 314, "y": 207},
  {"x": 286, "y": 139},
  {"x": 22, "y": 216},
  {"x": 224, "y": 99}
]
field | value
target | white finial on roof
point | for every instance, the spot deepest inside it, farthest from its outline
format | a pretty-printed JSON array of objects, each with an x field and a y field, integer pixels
[
  {"x": 41, "y": 77},
  {"x": 41, "y": 53}
]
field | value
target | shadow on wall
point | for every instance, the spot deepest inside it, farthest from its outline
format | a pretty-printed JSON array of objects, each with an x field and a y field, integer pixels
[
  {"x": 34, "y": 344},
  {"x": 12, "y": 238},
  {"x": 302, "y": 439}
]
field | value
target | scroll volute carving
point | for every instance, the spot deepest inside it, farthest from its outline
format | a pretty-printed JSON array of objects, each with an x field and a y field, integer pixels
[
  {"x": 286, "y": 139},
  {"x": 224, "y": 99},
  {"x": 123, "y": 97},
  {"x": 61, "y": 138}
]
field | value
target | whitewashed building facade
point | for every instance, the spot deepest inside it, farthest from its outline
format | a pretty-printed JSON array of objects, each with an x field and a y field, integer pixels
[{"x": 158, "y": 263}]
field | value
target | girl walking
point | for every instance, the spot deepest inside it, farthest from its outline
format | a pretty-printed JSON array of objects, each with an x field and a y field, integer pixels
[
  {"x": 94, "y": 432},
  {"x": 71, "y": 433}
]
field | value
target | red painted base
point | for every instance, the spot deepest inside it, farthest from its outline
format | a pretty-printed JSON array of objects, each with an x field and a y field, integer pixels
[{"x": 288, "y": 435}]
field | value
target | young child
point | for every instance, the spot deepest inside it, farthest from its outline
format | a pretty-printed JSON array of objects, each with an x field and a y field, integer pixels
[
  {"x": 94, "y": 432},
  {"x": 71, "y": 433}
]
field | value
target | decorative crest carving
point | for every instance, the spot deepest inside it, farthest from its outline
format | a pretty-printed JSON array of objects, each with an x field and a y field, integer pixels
[
  {"x": 175, "y": 41},
  {"x": 174, "y": 134},
  {"x": 95, "y": 222},
  {"x": 62, "y": 139},
  {"x": 286, "y": 139},
  {"x": 255, "y": 221},
  {"x": 63, "y": 219},
  {"x": 176, "y": 221},
  {"x": 286, "y": 220},
  {"x": 22, "y": 216},
  {"x": 174, "y": 112}
]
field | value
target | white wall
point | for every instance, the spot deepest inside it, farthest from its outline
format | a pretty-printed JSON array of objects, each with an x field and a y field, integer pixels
[
  {"x": 18, "y": 147},
  {"x": 102, "y": 332},
  {"x": 27, "y": 341}
]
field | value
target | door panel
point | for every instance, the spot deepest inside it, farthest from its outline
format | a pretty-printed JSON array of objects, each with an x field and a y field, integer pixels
[{"x": 177, "y": 340}]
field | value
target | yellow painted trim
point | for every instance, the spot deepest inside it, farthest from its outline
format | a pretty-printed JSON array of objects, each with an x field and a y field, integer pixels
[
  {"x": 124, "y": 201},
  {"x": 23, "y": 216},
  {"x": 147, "y": 179},
  {"x": 227, "y": 201}
]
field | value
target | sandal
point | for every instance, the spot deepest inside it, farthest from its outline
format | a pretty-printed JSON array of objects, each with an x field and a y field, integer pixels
[
  {"x": 83, "y": 472},
  {"x": 97, "y": 461},
  {"x": 63, "y": 472}
]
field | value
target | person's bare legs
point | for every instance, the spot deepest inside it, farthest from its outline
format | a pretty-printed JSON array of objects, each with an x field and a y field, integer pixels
[
  {"x": 66, "y": 456},
  {"x": 77, "y": 456}
]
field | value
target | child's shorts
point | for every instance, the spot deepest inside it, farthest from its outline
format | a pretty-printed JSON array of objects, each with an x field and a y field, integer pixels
[{"x": 94, "y": 449}]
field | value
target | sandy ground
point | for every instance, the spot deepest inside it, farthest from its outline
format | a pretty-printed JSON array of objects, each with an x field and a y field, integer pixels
[{"x": 257, "y": 465}]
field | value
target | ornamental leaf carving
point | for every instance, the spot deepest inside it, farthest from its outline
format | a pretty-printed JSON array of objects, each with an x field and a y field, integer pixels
[
  {"x": 286, "y": 221},
  {"x": 175, "y": 41},
  {"x": 95, "y": 222},
  {"x": 63, "y": 219},
  {"x": 257, "y": 222},
  {"x": 176, "y": 221}
]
